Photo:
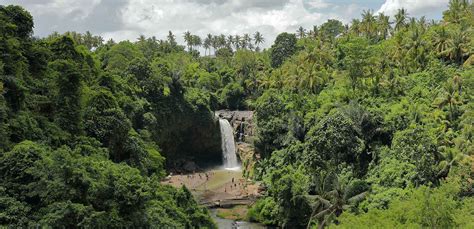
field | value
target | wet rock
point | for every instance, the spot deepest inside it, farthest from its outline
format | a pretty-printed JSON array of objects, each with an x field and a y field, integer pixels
[{"x": 242, "y": 123}]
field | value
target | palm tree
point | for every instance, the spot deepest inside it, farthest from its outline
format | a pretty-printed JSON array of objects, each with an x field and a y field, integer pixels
[
  {"x": 99, "y": 41},
  {"x": 88, "y": 40},
  {"x": 188, "y": 39},
  {"x": 417, "y": 50},
  {"x": 141, "y": 38},
  {"x": 400, "y": 19},
  {"x": 383, "y": 25},
  {"x": 171, "y": 39},
  {"x": 207, "y": 44},
  {"x": 222, "y": 41},
  {"x": 196, "y": 41},
  {"x": 355, "y": 27},
  {"x": 314, "y": 32},
  {"x": 258, "y": 39},
  {"x": 458, "y": 46},
  {"x": 237, "y": 41},
  {"x": 246, "y": 41},
  {"x": 368, "y": 24},
  {"x": 333, "y": 197},
  {"x": 230, "y": 41},
  {"x": 450, "y": 157},
  {"x": 440, "y": 41},
  {"x": 456, "y": 11},
  {"x": 412, "y": 23},
  {"x": 423, "y": 23},
  {"x": 311, "y": 78},
  {"x": 450, "y": 97},
  {"x": 215, "y": 43},
  {"x": 301, "y": 32}
]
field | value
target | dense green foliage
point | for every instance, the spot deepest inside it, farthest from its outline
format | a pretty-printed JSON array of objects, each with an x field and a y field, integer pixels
[
  {"x": 83, "y": 134},
  {"x": 367, "y": 123}
]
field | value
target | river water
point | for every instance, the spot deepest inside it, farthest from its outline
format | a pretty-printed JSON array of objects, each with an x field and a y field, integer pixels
[{"x": 231, "y": 224}]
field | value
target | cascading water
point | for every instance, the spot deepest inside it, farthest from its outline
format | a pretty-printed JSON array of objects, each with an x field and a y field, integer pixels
[{"x": 228, "y": 145}]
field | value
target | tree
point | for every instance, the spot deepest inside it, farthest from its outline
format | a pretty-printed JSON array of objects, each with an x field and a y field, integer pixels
[
  {"x": 334, "y": 197},
  {"x": 282, "y": 49},
  {"x": 457, "y": 11},
  {"x": 171, "y": 39},
  {"x": 301, "y": 32},
  {"x": 332, "y": 28},
  {"x": 400, "y": 19},
  {"x": 383, "y": 26},
  {"x": 449, "y": 97},
  {"x": 355, "y": 27},
  {"x": 208, "y": 43},
  {"x": 368, "y": 24},
  {"x": 258, "y": 39},
  {"x": 188, "y": 38},
  {"x": 458, "y": 46},
  {"x": 440, "y": 42},
  {"x": 69, "y": 116},
  {"x": 21, "y": 20},
  {"x": 332, "y": 142},
  {"x": 356, "y": 59},
  {"x": 196, "y": 41},
  {"x": 422, "y": 207}
]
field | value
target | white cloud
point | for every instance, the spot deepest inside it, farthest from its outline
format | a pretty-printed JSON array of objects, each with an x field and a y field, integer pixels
[
  {"x": 317, "y": 4},
  {"x": 156, "y": 18},
  {"x": 414, "y": 7},
  {"x": 80, "y": 9},
  {"x": 127, "y": 19}
]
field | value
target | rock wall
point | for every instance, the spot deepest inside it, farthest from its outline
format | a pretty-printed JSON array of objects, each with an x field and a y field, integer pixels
[
  {"x": 244, "y": 130},
  {"x": 242, "y": 123}
]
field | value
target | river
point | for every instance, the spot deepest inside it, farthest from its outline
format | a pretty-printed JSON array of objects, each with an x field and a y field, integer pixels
[{"x": 231, "y": 224}]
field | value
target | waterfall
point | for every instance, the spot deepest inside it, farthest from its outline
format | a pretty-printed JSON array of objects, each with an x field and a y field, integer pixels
[{"x": 228, "y": 145}]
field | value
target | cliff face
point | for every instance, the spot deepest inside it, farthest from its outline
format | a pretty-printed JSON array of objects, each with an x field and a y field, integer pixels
[{"x": 242, "y": 123}]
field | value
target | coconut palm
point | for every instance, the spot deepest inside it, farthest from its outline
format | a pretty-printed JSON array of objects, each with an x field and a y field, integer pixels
[
  {"x": 440, "y": 41},
  {"x": 449, "y": 98},
  {"x": 400, "y": 19},
  {"x": 207, "y": 44},
  {"x": 230, "y": 41},
  {"x": 222, "y": 41},
  {"x": 368, "y": 24},
  {"x": 215, "y": 43},
  {"x": 237, "y": 41},
  {"x": 416, "y": 49},
  {"x": 450, "y": 157},
  {"x": 141, "y": 38},
  {"x": 301, "y": 32},
  {"x": 188, "y": 39},
  {"x": 456, "y": 11},
  {"x": 333, "y": 197},
  {"x": 383, "y": 25},
  {"x": 313, "y": 33},
  {"x": 246, "y": 41},
  {"x": 258, "y": 39},
  {"x": 196, "y": 41},
  {"x": 458, "y": 46},
  {"x": 355, "y": 27}
]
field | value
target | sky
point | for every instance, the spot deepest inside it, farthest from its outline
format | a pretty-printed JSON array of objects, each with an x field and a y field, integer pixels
[{"x": 127, "y": 19}]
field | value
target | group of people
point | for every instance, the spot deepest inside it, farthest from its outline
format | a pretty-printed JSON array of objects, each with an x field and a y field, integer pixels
[{"x": 235, "y": 184}]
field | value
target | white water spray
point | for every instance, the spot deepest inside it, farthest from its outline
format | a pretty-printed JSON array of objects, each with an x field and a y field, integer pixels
[{"x": 228, "y": 146}]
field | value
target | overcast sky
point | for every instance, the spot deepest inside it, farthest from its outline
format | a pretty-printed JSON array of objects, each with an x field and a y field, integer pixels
[{"x": 127, "y": 19}]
